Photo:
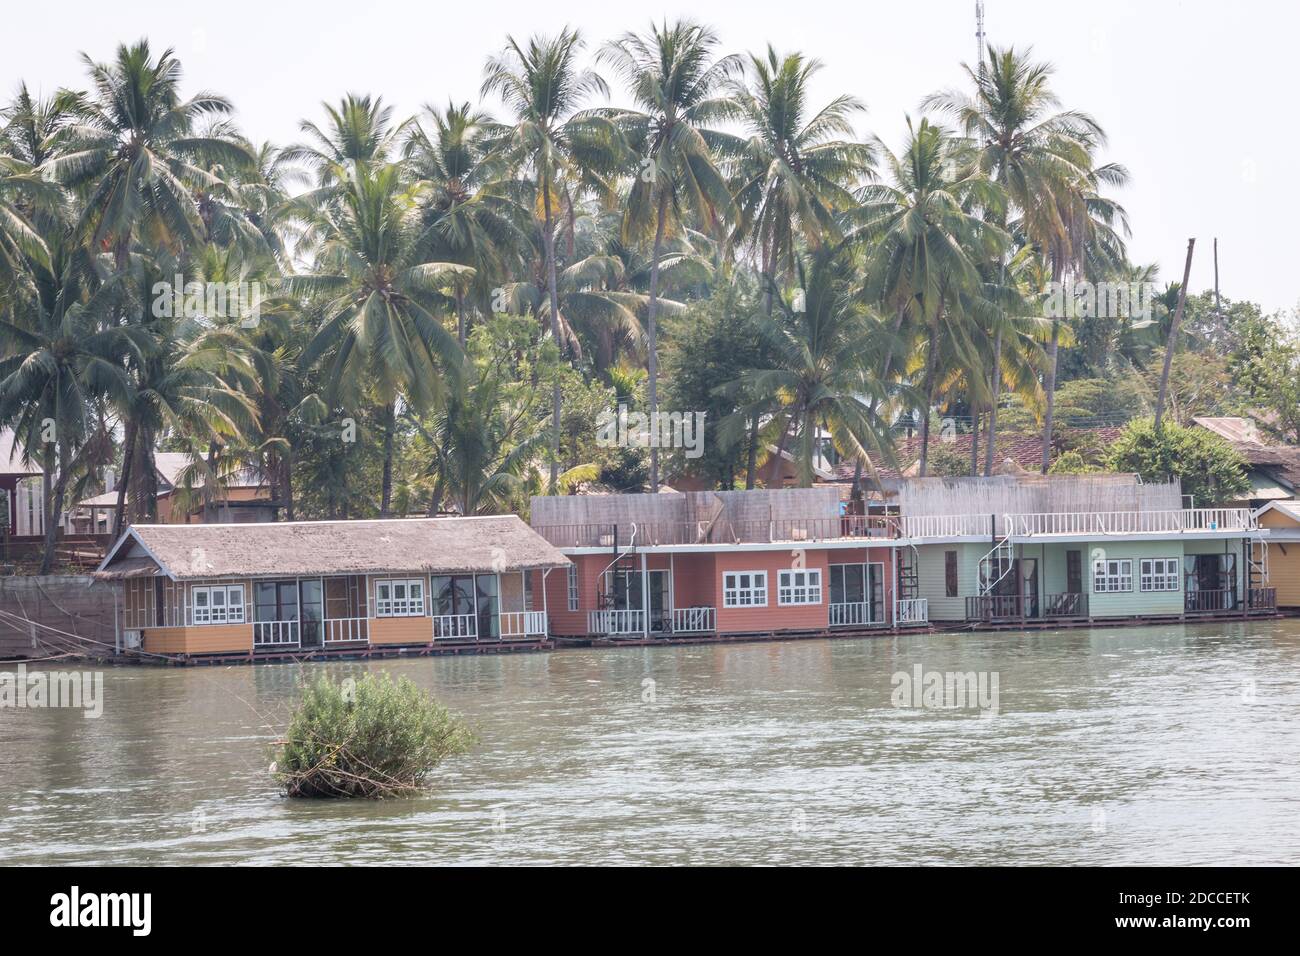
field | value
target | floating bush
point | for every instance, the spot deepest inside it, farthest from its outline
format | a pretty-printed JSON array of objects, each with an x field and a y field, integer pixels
[{"x": 372, "y": 737}]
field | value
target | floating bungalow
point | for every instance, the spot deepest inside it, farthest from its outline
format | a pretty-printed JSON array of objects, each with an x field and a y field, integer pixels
[
  {"x": 1011, "y": 551},
  {"x": 1005, "y": 551},
  {"x": 285, "y": 588}
]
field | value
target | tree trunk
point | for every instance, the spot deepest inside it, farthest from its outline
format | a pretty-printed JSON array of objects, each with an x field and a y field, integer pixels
[
  {"x": 209, "y": 486},
  {"x": 931, "y": 371},
  {"x": 128, "y": 453},
  {"x": 53, "y": 487},
  {"x": 974, "y": 442},
  {"x": 1049, "y": 386},
  {"x": 1173, "y": 335},
  {"x": 990, "y": 437},
  {"x": 461, "y": 325},
  {"x": 552, "y": 288},
  {"x": 652, "y": 342},
  {"x": 751, "y": 463},
  {"x": 286, "y": 483},
  {"x": 386, "y": 488}
]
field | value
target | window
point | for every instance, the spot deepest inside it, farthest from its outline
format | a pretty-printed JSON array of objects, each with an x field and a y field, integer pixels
[
  {"x": 1160, "y": 574},
  {"x": 950, "y": 573},
  {"x": 399, "y": 598},
  {"x": 745, "y": 589},
  {"x": 217, "y": 604},
  {"x": 799, "y": 587},
  {"x": 573, "y": 587},
  {"x": 1109, "y": 576}
]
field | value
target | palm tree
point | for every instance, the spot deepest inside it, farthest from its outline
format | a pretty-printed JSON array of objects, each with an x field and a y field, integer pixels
[
  {"x": 359, "y": 130},
  {"x": 562, "y": 150},
  {"x": 135, "y": 153},
  {"x": 378, "y": 292},
  {"x": 58, "y": 360},
  {"x": 672, "y": 76},
  {"x": 795, "y": 170},
  {"x": 475, "y": 220},
  {"x": 925, "y": 247},
  {"x": 821, "y": 374},
  {"x": 1041, "y": 157}
]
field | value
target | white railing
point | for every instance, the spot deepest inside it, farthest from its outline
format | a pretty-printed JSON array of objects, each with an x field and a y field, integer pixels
[
  {"x": 275, "y": 633},
  {"x": 523, "y": 623},
  {"x": 347, "y": 630},
  {"x": 946, "y": 526},
  {"x": 453, "y": 626},
  {"x": 615, "y": 622},
  {"x": 911, "y": 611},
  {"x": 1135, "y": 522},
  {"x": 851, "y": 613},
  {"x": 694, "y": 620}
]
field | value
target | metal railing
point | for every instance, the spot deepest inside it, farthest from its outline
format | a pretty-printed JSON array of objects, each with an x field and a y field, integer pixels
[
  {"x": 911, "y": 611},
  {"x": 275, "y": 633},
  {"x": 453, "y": 626},
  {"x": 523, "y": 624},
  {"x": 694, "y": 620},
  {"x": 1217, "y": 599},
  {"x": 722, "y": 531},
  {"x": 616, "y": 622},
  {"x": 994, "y": 607},
  {"x": 347, "y": 630}
]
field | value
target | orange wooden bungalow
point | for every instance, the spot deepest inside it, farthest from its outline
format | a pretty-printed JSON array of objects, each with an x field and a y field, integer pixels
[{"x": 290, "y": 587}]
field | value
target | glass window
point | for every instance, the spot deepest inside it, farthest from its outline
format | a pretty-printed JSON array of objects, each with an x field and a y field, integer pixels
[
  {"x": 1109, "y": 576},
  {"x": 802, "y": 586},
  {"x": 744, "y": 589}
]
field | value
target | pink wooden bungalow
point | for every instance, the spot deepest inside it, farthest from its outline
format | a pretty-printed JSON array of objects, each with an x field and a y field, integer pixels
[{"x": 724, "y": 563}]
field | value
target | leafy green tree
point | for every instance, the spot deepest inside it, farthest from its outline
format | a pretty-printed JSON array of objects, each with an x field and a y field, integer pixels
[{"x": 1208, "y": 467}]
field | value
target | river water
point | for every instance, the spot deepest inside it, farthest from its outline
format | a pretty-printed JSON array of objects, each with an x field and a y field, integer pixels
[{"x": 1168, "y": 745}]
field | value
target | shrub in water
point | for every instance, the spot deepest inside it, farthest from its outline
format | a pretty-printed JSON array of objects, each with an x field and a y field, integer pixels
[{"x": 371, "y": 737}]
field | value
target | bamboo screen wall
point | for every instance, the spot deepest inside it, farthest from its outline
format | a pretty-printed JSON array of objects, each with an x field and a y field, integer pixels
[{"x": 1037, "y": 494}]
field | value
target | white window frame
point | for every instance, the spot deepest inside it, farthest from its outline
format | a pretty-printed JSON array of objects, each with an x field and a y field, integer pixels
[
  {"x": 753, "y": 594},
  {"x": 388, "y": 604},
  {"x": 205, "y": 612},
  {"x": 1112, "y": 575},
  {"x": 571, "y": 581},
  {"x": 1161, "y": 574},
  {"x": 792, "y": 592}
]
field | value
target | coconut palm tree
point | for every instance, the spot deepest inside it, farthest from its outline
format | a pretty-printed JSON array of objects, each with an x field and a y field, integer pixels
[
  {"x": 475, "y": 219},
  {"x": 1041, "y": 156},
  {"x": 822, "y": 375},
  {"x": 925, "y": 248},
  {"x": 376, "y": 292},
  {"x": 796, "y": 168},
  {"x": 562, "y": 150},
  {"x": 673, "y": 76}
]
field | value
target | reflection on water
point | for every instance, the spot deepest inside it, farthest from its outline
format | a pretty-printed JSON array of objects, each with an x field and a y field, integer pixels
[{"x": 1144, "y": 745}]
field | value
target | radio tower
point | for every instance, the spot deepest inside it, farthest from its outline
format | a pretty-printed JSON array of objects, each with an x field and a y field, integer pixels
[{"x": 979, "y": 33}]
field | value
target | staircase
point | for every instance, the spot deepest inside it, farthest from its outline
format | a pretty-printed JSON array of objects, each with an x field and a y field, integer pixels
[
  {"x": 999, "y": 561},
  {"x": 1258, "y": 593},
  {"x": 908, "y": 582}
]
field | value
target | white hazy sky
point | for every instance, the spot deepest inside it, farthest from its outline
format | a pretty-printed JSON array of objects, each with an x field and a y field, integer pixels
[{"x": 1188, "y": 91}]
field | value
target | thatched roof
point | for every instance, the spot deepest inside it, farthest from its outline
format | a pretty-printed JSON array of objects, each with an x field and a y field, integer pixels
[{"x": 499, "y": 543}]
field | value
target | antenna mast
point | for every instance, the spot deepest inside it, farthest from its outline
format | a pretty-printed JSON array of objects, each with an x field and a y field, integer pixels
[{"x": 979, "y": 32}]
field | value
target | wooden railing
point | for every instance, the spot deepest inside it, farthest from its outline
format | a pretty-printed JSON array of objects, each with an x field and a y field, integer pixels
[
  {"x": 275, "y": 633},
  {"x": 523, "y": 624},
  {"x": 694, "y": 620},
  {"x": 347, "y": 630},
  {"x": 450, "y": 627},
  {"x": 1219, "y": 599},
  {"x": 911, "y": 611},
  {"x": 851, "y": 614},
  {"x": 993, "y": 607},
  {"x": 616, "y": 622},
  {"x": 1134, "y": 522},
  {"x": 1066, "y": 604},
  {"x": 1263, "y": 599}
]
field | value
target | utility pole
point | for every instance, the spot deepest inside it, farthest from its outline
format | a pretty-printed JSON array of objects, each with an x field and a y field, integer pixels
[
  {"x": 1218, "y": 306},
  {"x": 1173, "y": 335}
]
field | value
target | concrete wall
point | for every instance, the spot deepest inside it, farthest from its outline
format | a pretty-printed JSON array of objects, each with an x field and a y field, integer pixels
[{"x": 76, "y": 604}]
